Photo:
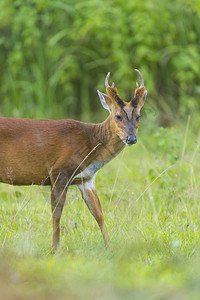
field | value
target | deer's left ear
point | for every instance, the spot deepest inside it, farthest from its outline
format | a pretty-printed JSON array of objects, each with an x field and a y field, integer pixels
[
  {"x": 105, "y": 100},
  {"x": 140, "y": 97}
]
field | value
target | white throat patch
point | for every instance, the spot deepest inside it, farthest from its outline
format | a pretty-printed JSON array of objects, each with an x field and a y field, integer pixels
[{"x": 92, "y": 169}]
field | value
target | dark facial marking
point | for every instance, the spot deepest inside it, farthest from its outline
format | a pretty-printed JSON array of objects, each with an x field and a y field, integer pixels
[
  {"x": 125, "y": 113},
  {"x": 134, "y": 101},
  {"x": 113, "y": 93},
  {"x": 119, "y": 101}
]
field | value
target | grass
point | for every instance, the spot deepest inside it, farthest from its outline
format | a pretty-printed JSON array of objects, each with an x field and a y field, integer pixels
[{"x": 150, "y": 198}]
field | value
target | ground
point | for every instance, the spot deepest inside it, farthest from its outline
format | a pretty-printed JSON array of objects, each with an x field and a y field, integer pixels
[{"x": 150, "y": 198}]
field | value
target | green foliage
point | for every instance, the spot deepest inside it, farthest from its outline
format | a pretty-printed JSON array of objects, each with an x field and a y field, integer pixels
[
  {"x": 53, "y": 57},
  {"x": 55, "y": 54},
  {"x": 150, "y": 198}
]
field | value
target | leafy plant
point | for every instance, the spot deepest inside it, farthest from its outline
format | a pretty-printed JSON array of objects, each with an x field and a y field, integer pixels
[{"x": 55, "y": 54}]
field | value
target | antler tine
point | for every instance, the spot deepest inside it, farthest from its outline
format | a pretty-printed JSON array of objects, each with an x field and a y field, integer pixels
[
  {"x": 106, "y": 81},
  {"x": 141, "y": 78}
]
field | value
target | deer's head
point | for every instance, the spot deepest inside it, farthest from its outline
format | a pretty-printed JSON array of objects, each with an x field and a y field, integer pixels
[{"x": 125, "y": 115}]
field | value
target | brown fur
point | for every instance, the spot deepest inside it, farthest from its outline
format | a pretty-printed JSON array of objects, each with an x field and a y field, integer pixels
[
  {"x": 53, "y": 153},
  {"x": 113, "y": 94}
]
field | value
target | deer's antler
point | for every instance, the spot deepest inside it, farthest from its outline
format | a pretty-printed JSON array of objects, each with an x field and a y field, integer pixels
[
  {"x": 106, "y": 81},
  {"x": 141, "y": 79}
]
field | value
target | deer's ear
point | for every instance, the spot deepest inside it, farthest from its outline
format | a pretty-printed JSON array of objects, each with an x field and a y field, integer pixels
[
  {"x": 139, "y": 98},
  {"x": 142, "y": 99},
  {"x": 105, "y": 100}
]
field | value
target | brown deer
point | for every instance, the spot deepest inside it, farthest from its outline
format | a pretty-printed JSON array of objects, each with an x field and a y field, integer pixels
[{"x": 68, "y": 152}]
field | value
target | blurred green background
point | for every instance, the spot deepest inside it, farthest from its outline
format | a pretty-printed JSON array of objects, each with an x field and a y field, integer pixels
[{"x": 55, "y": 54}]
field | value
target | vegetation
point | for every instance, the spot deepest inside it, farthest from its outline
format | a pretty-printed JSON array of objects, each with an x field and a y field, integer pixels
[
  {"x": 53, "y": 57},
  {"x": 55, "y": 54},
  {"x": 150, "y": 197}
]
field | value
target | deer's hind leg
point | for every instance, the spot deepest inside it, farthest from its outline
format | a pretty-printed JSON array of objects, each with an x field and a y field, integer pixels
[{"x": 59, "y": 187}]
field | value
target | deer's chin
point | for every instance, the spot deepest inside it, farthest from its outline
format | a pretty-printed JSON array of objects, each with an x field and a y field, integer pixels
[
  {"x": 123, "y": 140},
  {"x": 125, "y": 143}
]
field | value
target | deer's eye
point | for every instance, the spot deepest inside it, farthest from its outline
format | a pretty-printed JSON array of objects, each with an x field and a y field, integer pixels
[
  {"x": 118, "y": 118},
  {"x": 138, "y": 118}
]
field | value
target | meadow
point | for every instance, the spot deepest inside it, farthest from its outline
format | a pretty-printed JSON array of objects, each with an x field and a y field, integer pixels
[
  {"x": 54, "y": 55},
  {"x": 150, "y": 198}
]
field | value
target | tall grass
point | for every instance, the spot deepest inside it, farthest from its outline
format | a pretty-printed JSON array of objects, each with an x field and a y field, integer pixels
[
  {"x": 150, "y": 198},
  {"x": 54, "y": 55}
]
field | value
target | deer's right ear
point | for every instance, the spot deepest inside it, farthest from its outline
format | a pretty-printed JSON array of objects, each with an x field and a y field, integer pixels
[{"x": 105, "y": 100}]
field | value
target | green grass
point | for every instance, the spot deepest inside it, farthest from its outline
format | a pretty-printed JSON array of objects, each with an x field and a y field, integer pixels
[{"x": 150, "y": 198}]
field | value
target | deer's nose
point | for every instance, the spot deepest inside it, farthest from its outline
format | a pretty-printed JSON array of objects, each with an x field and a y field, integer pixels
[{"x": 131, "y": 140}]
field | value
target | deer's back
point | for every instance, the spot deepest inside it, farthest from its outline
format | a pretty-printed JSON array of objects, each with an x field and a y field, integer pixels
[{"x": 29, "y": 149}]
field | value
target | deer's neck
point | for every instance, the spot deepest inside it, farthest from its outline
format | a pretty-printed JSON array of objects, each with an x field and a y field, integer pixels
[
  {"x": 111, "y": 144},
  {"x": 107, "y": 145}
]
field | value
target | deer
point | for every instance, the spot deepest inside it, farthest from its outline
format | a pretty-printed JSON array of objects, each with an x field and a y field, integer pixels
[{"x": 60, "y": 153}]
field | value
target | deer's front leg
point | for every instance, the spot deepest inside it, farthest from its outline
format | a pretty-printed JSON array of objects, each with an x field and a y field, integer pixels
[
  {"x": 90, "y": 197},
  {"x": 58, "y": 195}
]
